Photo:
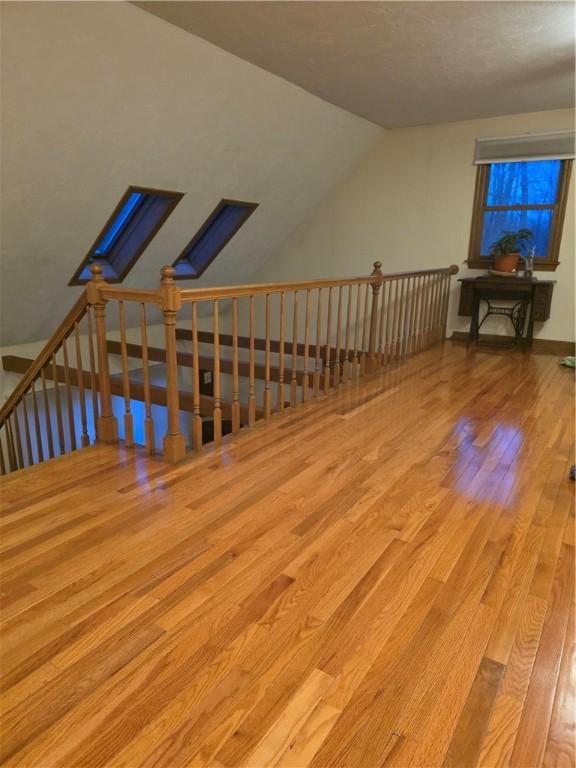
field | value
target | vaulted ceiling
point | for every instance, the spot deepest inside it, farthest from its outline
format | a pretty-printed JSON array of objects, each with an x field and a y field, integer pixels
[
  {"x": 97, "y": 96},
  {"x": 401, "y": 63}
]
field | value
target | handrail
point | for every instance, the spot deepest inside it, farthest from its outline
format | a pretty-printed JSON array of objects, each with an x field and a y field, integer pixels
[
  {"x": 236, "y": 291},
  {"x": 75, "y": 314}
]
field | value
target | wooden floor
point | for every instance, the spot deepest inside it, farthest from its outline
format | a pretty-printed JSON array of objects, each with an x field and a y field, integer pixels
[{"x": 381, "y": 579}]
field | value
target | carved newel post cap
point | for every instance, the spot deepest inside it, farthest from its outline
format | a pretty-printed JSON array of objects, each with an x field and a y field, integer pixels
[
  {"x": 454, "y": 269},
  {"x": 96, "y": 271},
  {"x": 167, "y": 274},
  {"x": 377, "y": 268}
]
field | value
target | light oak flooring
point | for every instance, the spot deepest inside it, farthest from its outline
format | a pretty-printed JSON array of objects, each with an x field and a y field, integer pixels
[{"x": 384, "y": 578}]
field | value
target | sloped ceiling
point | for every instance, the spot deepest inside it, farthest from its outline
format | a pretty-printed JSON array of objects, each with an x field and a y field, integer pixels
[
  {"x": 98, "y": 96},
  {"x": 401, "y": 63}
]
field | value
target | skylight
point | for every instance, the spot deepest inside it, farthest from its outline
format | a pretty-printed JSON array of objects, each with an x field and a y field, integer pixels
[
  {"x": 135, "y": 221},
  {"x": 212, "y": 237}
]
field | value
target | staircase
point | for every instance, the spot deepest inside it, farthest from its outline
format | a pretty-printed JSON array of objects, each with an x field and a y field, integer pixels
[{"x": 174, "y": 369}]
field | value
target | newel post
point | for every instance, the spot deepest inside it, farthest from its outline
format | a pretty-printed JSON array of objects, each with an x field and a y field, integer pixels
[
  {"x": 376, "y": 283},
  {"x": 170, "y": 301},
  {"x": 107, "y": 426}
]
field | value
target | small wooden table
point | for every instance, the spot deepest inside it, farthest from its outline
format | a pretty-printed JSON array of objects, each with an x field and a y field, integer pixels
[{"x": 531, "y": 296}]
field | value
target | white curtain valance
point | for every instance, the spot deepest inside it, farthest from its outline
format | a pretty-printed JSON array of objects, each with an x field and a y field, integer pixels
[{"x": 559, "y": 145}]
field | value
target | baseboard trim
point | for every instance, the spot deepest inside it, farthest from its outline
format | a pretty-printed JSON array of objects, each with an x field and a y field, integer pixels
[{"x": 539, "y": 346}]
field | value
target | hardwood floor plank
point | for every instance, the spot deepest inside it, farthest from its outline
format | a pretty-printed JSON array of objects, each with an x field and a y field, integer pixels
[{"x": 381, "y": 578}]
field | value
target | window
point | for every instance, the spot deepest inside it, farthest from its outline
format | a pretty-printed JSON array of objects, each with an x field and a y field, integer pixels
[
  {"x": 529, "y": 194},
  {"x": 135, "y": 221},
  {"x": 213, "y": 235}
]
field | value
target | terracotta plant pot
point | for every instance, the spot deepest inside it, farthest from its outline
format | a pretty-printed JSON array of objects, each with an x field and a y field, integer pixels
[{"x": 507, "y": 262}]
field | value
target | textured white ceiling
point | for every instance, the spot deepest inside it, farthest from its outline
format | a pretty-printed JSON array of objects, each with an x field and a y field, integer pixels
[{"x": 401, "y": 63}]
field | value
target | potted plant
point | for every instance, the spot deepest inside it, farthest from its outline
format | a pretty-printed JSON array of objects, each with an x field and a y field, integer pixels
[{"x": 506, "y": 250}]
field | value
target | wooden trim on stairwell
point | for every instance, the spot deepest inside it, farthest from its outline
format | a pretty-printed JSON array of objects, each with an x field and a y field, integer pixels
[
  {"x": 186, "y": 360},
  {"x": 226, "y": 340},
  {"x": 16, "y": 364}
]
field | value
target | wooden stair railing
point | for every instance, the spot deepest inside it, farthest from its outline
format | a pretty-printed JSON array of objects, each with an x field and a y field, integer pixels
[
  {"x": 263, "y": 346},
  {"x": 32, "y": 428}
]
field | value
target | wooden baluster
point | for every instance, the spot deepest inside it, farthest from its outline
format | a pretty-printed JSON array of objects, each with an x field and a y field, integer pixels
[
  {"x": 174, "y": 443},
  {"x": 346, "y": 361},
  {"x": 405, "y": 315},
  {"x": 363, "y": 350},
  {"x": 281, "y": 352},
  {"x": 355, "y": 358},
  {"x": 389, "y": 323},
  {"x": 398, "y": 319},
  {"x": 58, "y": 404},
  {"x": 417, "y": 315},
  {"x": 2, "y": 462},
  {"x": 251, "y": 373},
  {"x": 267, "y": 392},
  {"x": 318, "y": 341},
  {"x": 452, "y": 271},
  {"x": 328, "y": 342},
  {"x": 337, "y": 361},
  {"x": 422, "y": 317},
  {"x": 69, "y": 400},
  {"x": 197, "y": 418},
  {"x": 10, "y": 446},
  {"x": 37, "y": 430},
  {"x": 217, "y": 412},
  {"x": 396, "y": 323},
  {"x": 235, "y": 376},
  {"x": 425, "y": 307},
  {"x": 438, "y": 305},
  {"x": 85, "y": 439},
  {"x": 305, "y": 377},
  {"x": 148, "y": 422},
  {"x": 432, "y": 311},
  {"x": 412, "y": 320},
  {"x": 128, "y": 419},
  {"x": 107, "y": 427},
  {"x": 293, "y": 379},
  {"x": 47, "y": 416},
  {"x": 29, "y": 454},
  {"x": 405, "y": 302},
  {"x": 382, "y": 327},
  {"x": 92, "y": 359},
  {"x": 18, "y": 438}
]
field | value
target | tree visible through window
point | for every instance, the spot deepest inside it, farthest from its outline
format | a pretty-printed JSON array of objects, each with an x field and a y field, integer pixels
[{"x": 510, "y": 196}]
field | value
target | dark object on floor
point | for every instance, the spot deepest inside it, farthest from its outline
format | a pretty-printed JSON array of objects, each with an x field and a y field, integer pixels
[{"x": 573, "y": 472}]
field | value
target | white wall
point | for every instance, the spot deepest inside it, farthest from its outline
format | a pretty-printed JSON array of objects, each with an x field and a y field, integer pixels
[
  {"x": 409, "y": 205},
  {"x": 100, "y": 95}
]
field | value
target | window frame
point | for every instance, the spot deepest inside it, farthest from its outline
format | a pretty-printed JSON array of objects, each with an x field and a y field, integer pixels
[
  {"x": 184, "y": 255},
  {"x": 480, "y": 207},
  {"x": 92, "y": 258}
]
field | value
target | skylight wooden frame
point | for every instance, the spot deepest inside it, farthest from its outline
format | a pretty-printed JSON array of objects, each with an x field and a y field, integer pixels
[
  {"x": 184, "y": 255},
  {"x": 548, "y": 264},
  {"x": 90, "y": 257}
]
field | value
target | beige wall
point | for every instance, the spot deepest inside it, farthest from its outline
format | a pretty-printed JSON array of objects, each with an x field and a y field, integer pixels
[
  {"x": 100, "y": 95},
  {"x": 409, "y": 205}
]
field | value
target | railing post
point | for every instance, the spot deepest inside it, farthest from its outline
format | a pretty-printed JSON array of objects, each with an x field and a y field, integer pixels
[
  {"x": 452, "y": 270},
  {"x": 376, "y": 283},
  {"x": 169, "y": 299},
  {"x": 106, "y": 426}
]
